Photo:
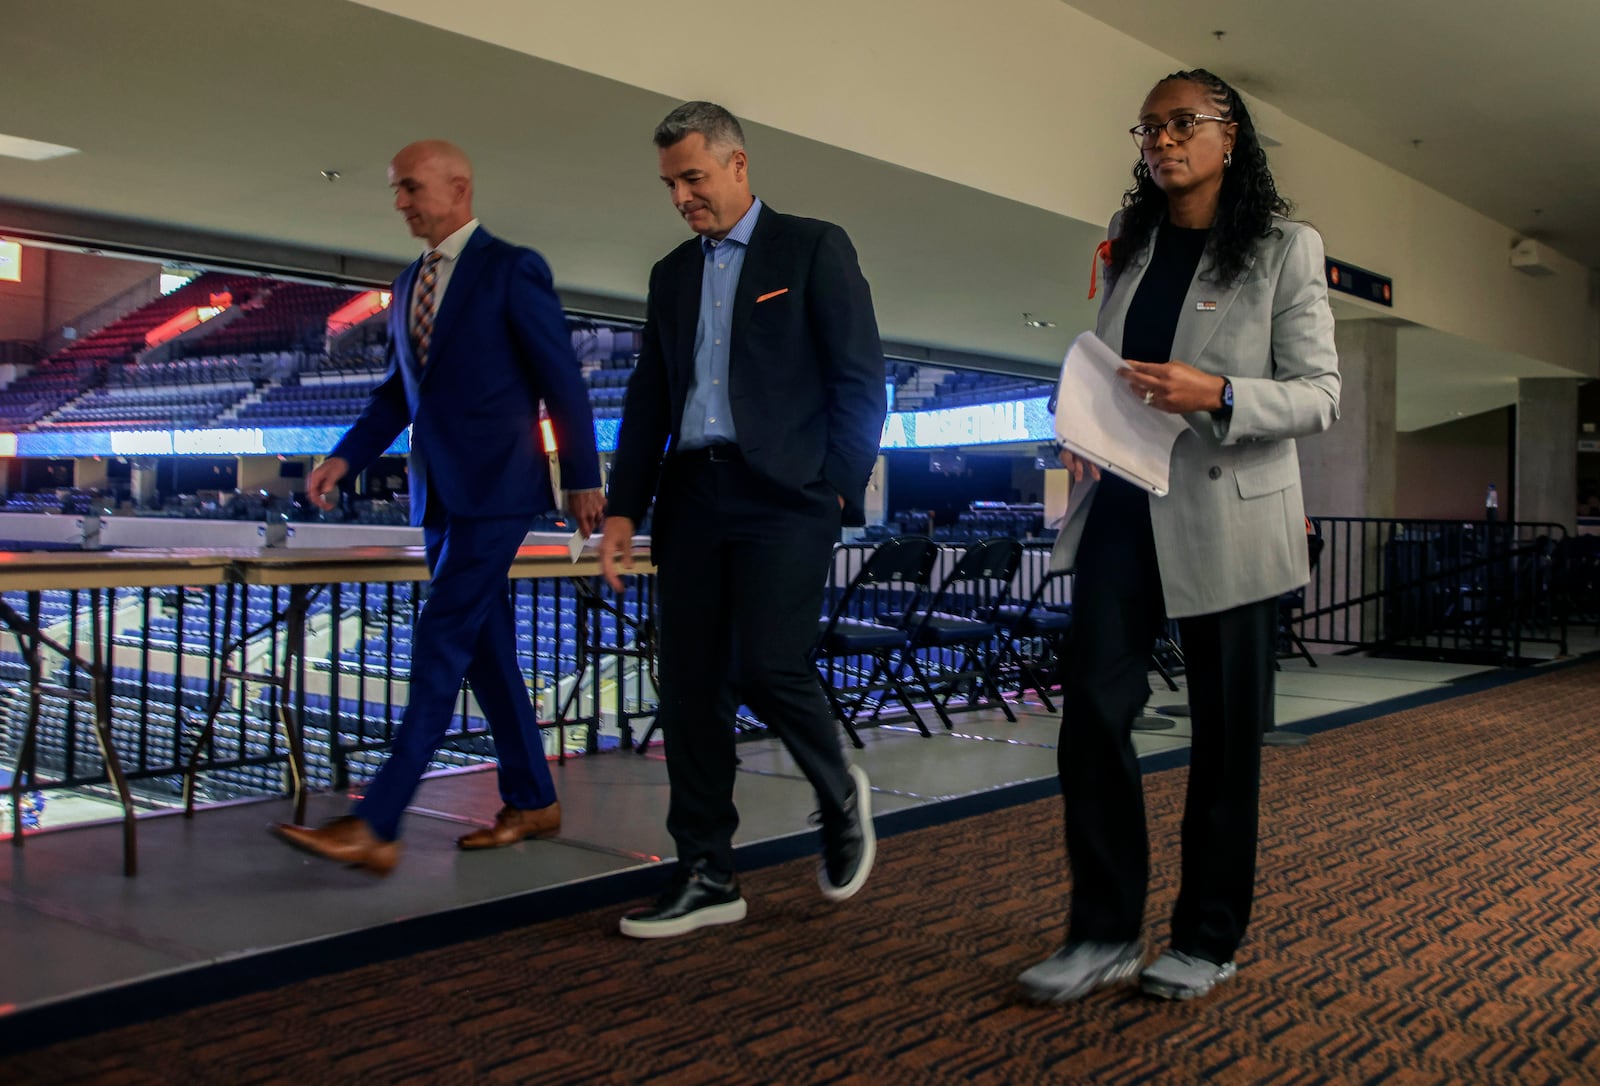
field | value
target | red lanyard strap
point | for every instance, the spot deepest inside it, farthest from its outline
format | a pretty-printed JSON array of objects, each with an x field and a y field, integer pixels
[{"x": 1101, "y": 252}]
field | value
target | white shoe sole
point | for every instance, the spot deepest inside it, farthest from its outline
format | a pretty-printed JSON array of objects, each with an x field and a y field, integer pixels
[
  {"x": 1160, "y": 989},
  {"x": 1109, "y": 977},
  {"x": 869, "y": 844},
  {"x": 708, "y": 917}
]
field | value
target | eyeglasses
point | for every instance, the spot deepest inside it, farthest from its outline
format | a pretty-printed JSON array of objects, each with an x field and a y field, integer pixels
[{"x": 1180, "y": 128}]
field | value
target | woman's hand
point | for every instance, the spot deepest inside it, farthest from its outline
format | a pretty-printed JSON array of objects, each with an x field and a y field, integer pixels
[
  {"x": 1077, "y": 465},
  {"x": 1175, "y": 387}
]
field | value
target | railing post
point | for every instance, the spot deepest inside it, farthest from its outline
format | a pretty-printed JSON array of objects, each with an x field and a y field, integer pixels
[
  {"x": 275, "y": 532},
  {"x": 89, "y": 530}
]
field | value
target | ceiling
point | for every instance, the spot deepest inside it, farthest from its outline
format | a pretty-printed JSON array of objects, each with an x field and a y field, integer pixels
[
  {"x": 224, "y": 128},
  {"x": 1493, "y": 91},
  {"x": 228, "y": 132}
]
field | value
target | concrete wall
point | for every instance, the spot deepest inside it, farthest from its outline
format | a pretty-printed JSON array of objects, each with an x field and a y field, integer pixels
[
  {"x": 1547, "y": 452},
  {"x": 81, "y": 281},
  {"x": 22, "y": 304},
  {"x": 58, "y": 286},
  {"x": 1444, "y": 471},
  {"x": 1349, "y": 470}
]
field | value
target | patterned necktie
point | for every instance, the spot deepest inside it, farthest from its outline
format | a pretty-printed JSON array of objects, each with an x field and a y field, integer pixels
[{"x": 422, "y": 309}]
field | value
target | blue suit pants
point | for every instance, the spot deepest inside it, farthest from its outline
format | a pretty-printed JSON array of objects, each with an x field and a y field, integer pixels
[{"x": 466, "y": 630}]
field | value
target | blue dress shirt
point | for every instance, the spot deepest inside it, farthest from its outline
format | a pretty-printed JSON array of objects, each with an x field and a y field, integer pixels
[{"x": 708, "y": 413}]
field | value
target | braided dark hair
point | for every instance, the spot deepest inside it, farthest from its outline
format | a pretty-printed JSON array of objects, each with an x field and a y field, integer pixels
[{"x": 1245, "y": 208}]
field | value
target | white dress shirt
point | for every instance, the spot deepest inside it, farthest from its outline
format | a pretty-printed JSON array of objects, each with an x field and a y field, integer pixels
[{"x": 449, "y": 251}]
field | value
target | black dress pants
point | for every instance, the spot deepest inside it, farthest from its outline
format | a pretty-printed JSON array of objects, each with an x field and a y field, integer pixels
[
  {"x": 741, "y": 570},
  {"x": 1117, "y": 614}
]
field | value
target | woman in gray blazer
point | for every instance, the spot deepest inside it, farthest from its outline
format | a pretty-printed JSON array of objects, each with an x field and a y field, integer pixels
[{"x": 1219, "y": 304}]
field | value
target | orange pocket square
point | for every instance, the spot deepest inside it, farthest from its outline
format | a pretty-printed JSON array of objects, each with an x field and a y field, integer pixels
[{"x": 771, "y": 294}]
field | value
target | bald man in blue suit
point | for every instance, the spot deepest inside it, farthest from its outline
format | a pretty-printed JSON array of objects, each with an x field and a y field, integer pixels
[{"x": 477, "y": 340}]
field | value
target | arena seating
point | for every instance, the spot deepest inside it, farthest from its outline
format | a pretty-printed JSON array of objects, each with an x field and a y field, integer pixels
[
  {"x": 124, "y": 339},
  {"x": 288, "y": 316}
]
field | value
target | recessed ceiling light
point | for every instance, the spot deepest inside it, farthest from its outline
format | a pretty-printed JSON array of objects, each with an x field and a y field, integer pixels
[
  {"x": 32, "y": 150},
  {"x": 1033, "y": 322}
]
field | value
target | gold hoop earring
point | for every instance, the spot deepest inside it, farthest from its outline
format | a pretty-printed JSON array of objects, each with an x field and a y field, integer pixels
[{"x": 1227, "y": 159}]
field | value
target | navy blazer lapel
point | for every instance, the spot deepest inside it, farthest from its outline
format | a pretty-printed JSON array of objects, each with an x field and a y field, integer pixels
[
  {"x": 687, "y": 277},
  {"x": 400, "y": 316},
  {"x": 756, "y": 276},
  {"x": 469, "y": 265}
]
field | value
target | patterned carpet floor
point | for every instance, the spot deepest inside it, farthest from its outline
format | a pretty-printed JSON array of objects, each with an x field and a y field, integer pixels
[{"x": 1428, "y": 912}]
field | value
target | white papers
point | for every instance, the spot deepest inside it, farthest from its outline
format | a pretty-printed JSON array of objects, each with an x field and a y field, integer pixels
[
  {"x": 575, "y": 545},
  {"x": 1100, "y": 420}
]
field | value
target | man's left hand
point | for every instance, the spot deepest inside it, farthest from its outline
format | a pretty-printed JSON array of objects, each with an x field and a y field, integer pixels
[
  {"x": 588, "y": 508},
  {"x": 1175, "y": 387}
]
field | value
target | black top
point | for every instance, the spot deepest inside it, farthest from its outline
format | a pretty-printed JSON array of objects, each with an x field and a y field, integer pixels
[
  {"x": 1147, "y": 334},
  {"x": 1153, "y": 313}
]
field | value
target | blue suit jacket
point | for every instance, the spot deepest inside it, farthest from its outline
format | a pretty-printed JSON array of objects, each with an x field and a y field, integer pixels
[{"x": 500, "y": 345}]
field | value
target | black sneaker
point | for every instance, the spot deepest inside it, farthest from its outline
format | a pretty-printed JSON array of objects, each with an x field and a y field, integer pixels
[
  {"x": 849, "y": 849},
  {"x": 694, "y": 899}
]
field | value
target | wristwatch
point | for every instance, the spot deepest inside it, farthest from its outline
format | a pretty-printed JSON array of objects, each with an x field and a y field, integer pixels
[{"x": 1227, "y": 400}]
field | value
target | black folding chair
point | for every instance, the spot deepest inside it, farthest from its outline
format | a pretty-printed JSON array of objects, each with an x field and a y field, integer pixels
[
  {"x": 1167, "y": 656},
  {"x": 960, "y": 621},
  {"x": 1166, "y": 660},
  {"x": 1033, "y": 636},
  {"x": 897, "y": 572}
]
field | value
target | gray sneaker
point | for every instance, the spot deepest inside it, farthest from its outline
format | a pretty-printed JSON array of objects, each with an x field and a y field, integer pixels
[
  {"x": 1080, "y": 968},
  {"x": 1176, "y": 975}
]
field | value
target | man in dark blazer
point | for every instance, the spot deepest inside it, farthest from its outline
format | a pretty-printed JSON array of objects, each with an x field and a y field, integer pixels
[
  {"x": 477, "y": 341},
  {"x": 753, "y": 421}
]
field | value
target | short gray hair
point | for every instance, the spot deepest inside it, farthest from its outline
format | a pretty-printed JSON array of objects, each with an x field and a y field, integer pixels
[{"x": 717, "y": 125}]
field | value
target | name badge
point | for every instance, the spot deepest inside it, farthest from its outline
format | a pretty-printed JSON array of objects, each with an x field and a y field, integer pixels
[{"x": 1206, "y": 307}]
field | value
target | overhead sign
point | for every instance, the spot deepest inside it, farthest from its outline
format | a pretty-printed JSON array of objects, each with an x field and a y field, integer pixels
[{"x": 1359, "y": 282}]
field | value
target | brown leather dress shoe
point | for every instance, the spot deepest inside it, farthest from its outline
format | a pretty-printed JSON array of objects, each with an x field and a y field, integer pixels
[
  {"x": 512, "y": 824},
  {"x": 346, "y": 840}
]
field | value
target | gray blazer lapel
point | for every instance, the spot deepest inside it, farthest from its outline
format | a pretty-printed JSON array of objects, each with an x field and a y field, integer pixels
[
  {"x": 1197, "y": 325},
  {"x": 1114, "y": 314}
]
